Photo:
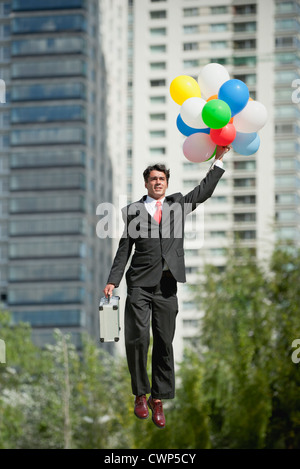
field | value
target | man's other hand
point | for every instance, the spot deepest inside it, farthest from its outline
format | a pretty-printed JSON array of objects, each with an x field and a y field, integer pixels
[{"x": 108, "y": 290}]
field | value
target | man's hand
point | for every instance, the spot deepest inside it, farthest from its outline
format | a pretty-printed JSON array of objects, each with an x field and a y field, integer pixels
[
  {"x": 221, "y": 150},
  {"x": 108, "y": 290}
]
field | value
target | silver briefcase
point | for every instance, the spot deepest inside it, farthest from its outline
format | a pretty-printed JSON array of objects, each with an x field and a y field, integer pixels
[{"x": 109, "y": 319}]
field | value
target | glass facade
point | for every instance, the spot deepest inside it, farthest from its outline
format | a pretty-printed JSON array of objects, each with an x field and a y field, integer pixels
[
  {"x": 49, "y": 23},
  {"x": 57, "y": 167},
  {"x": 30, "y": 5},
  {"x": 47, "y": 114},
  {"x": 49, "y": 45},
  {"x": 47, "y": 136},
  {"x": 40, "y": 91}
]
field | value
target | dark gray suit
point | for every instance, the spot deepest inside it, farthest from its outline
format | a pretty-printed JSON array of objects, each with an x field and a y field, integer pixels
[{"x": 152, "y": 290}]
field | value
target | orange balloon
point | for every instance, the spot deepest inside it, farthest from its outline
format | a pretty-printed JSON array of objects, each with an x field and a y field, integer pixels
[
  {"x": 231, "y": 121},
  {"x": 214, "y": 96}
]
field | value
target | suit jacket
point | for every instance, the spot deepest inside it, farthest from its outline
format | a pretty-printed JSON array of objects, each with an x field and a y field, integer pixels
[{"x": 155, "y": 242}]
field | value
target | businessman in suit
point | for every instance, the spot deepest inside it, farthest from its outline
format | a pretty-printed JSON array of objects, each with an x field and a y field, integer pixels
[{"x": 154, "y": 225}]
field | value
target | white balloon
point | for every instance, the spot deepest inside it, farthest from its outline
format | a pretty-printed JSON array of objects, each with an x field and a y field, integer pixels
[
  {"x": 211, "y": 78},
  {"x": 191, "y": 112},
  {"x": 252, "y": 118}
]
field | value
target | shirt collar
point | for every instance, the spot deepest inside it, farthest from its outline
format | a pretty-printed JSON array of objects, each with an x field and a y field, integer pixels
[{"x": 150, "y": 200}]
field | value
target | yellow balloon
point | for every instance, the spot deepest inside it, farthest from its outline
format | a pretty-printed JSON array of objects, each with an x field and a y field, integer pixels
[{"x": 184, "y": 87}]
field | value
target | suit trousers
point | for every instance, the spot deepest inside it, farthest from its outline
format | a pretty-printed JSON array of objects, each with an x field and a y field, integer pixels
[{"x": 159, "y": 306}]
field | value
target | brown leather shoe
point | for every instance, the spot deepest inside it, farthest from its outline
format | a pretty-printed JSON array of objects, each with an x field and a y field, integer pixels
[
  {"x": 140, "y": 407},
  {"x": 157, "y": 412}
]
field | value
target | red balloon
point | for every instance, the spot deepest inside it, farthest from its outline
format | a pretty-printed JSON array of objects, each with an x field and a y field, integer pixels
[{"x": 223, "y": 136}]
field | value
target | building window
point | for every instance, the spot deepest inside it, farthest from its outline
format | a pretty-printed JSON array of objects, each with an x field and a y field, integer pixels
[
  {"x": 191, "y": 46},
  {"x": 158, "y": 116},
  {"x": 157, "y": 133},
  {"x": 244, "y": 44},
  {"x": 245, "y": 9},
  {"x": 157, "y": 151},
  {"x": 51, "y": 23},
  {"x": 244, "y": 27},
  {"x": 217, "y": 251},
  {"x": 191, "y": 29},
  {"x": 244, "y": 165},
  {"x": 51, "y": 68},
  {"x": 158, "y": 31},
  {"x": 40, "y": 91},
  {"x": 157, "y": 99},
  {"x": 187, "y": 12},
  {"x": 191, "y": 63},
  {"x": 219, "y": 10},
  {"x": 218, "y": 234},
  {"x": 20, "y": 5},
  {"x": 219, "y": 199},
  {"x": 244, "y": 61},
  {"x": 285, "y": 146},
  {"x": 244, "y": 217},
  {"x": 286, "y": 164},
  {"x": 245, "y": 235},
  {"x": 158, "y": 14},
  {"x": 287, "y": 233},
  {"x": 158, "y": 49},
  {"x": 48, "y": 136},
  {"x": 218, "y": 27},
  {"x": 48, "y": 295},
  {"x": 158, "y": 82},
  {"x": 46, "y": 226},
  {"x": 59, "y": 45},
  {"x": 245, "y": 182},
  {"x": 286, "y": 181},
  {"x": 47, "y": 204},
  {"x": 218, "y": 44},
  {"x": 47, "y": 114},
  {"x": 284, "y": 41},
  {"x": 51, "y": 317},
  {"x": 158, "y": 65},
  {"x": 218, "y": 216},
  {"x": 287, "y": 216},
  {"x": 288, "y": 24},
  {"x": 47, "y": 158},
  {"x": 244, "y": 199}
]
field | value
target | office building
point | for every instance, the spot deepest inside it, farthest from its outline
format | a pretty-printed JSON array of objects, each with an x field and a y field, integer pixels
[{"x": 55, "y": 168}]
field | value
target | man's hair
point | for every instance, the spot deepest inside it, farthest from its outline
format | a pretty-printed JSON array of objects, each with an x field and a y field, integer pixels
[{"x": 156, "y": 167}]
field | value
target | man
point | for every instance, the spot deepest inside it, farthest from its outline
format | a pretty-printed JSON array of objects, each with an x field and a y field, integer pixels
[{"x": 155, "y": 226}]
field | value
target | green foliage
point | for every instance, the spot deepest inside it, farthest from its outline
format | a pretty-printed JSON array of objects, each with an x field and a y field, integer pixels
[{"x": 239, "y": 388}]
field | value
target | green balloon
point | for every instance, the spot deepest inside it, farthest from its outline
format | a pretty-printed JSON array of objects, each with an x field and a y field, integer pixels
[{"x": 216, "y": 113}]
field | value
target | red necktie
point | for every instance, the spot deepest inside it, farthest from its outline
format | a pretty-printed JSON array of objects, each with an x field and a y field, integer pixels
[{"x": 158, "y": 212}]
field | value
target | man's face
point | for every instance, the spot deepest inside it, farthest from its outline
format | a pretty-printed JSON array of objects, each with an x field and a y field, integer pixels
[{"x": 156, "y": 184}]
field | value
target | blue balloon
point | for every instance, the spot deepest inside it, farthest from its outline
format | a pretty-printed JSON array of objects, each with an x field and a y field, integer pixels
[
  {"x": 235, "y": 93},
  {"x": 187, "y": 130},
  {"x": 246, "y": 143}
]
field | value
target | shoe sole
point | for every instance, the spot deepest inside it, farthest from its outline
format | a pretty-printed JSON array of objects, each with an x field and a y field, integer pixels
[{"x": 158, "y": 426}]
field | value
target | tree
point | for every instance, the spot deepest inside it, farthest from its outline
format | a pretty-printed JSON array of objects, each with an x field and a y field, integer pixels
[
  {"x": 284, "y": 296},
  {"x": 234, "y": 338},
  {"x": 21, "y": 364}
]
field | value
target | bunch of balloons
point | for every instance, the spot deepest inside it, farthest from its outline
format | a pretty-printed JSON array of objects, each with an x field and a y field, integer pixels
[{"x": 216, "y": 110}]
